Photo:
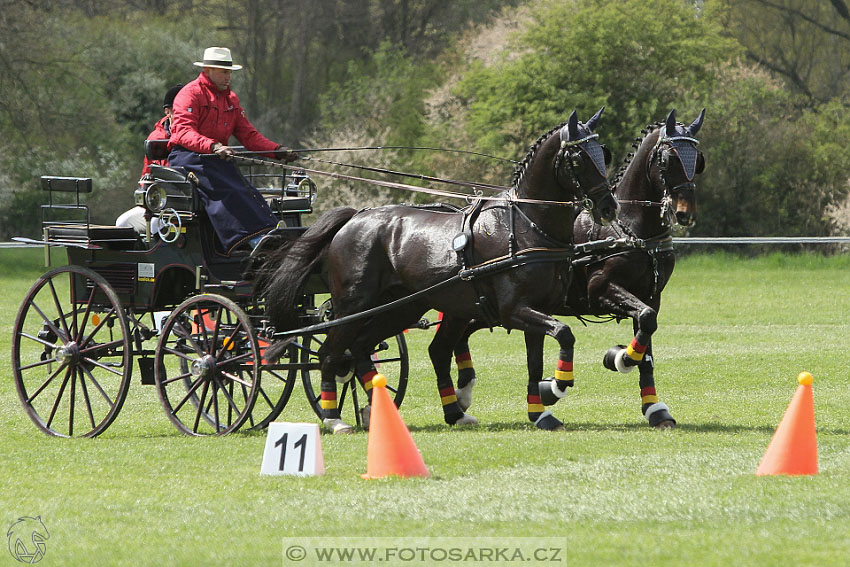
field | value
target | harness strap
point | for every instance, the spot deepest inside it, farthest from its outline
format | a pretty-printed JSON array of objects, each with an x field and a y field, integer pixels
[{"x": 525, "y": 257}]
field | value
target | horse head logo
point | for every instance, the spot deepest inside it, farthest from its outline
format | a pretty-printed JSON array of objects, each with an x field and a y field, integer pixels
[{"x": 27, "y": 539}]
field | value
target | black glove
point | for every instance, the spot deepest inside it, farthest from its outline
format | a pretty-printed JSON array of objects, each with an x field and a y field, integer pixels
[{"x": 285, "y": 154}]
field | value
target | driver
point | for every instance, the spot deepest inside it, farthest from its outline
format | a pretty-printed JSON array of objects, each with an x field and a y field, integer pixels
[{"x": 206, "y": 114}]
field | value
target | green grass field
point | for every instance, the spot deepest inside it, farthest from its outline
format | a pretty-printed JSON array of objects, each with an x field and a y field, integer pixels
[{"x": 733, "y": 334}]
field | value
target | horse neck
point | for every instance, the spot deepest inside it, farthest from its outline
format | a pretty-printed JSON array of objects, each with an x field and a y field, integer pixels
[
  {"x": 539, "y": 183},
  {"x": 635, "y": 185}
]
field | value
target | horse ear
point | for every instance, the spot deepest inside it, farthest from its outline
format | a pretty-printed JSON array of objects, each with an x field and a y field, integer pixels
[
  {"x": 572, "y": 126},
  {"x": 594, "y": 120},
  {"x": 697, "y": 124},
  {"x": 671, "y": 123}
]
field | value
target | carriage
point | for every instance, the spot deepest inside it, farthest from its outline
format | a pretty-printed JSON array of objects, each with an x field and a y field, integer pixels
[{"x": 168, "y": 304}]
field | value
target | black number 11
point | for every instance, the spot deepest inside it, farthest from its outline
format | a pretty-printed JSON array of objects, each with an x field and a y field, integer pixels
[{"x": 301, "y": 443}]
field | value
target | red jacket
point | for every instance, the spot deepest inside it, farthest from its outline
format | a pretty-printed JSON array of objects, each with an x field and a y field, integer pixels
[
  {"x": 161, "y": 131},
  {"x": 203, "y": 115}
]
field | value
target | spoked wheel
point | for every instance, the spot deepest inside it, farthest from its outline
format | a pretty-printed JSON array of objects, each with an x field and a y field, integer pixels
[
  {"x": 390, "y": 358},
  {"x": 207, "y": 371},
  {"x": 71, "y": 353}
]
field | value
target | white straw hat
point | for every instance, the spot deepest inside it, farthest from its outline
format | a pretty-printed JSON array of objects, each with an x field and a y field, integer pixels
[{"x": 218, "y": 57}]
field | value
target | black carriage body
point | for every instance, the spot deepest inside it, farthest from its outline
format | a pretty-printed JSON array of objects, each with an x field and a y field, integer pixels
[
  {"x": 154, "y": 275},
  {"x": 81, "y": 324}
]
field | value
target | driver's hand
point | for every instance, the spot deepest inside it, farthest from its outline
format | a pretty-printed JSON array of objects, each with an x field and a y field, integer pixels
[
  {"x": 285, "y": 154},
  {"x": 222, "y": 151}
]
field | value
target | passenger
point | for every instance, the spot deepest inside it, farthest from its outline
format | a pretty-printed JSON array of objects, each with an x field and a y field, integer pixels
[
  {"x": 162, "y": 129},
  {"x": 206, "y": 114},
  {"x": 135, "y": 217}
]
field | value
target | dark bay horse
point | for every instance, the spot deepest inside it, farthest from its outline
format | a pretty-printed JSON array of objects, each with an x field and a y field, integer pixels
[
  {"x": 656, "y": 189},
  {"x": 505, "y": 260}
]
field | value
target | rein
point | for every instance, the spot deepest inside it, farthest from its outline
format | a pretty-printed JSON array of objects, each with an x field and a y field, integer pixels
[
  {"x": 393, "y": 185},
  {"x": 425, "y": 148},
  {"x": 413, "y": 175}
]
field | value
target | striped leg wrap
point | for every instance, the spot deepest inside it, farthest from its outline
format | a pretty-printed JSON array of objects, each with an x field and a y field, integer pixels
[
  {"x": 366, "y": 380},
  {"x": 465, "y": 370},
  {"x": 329, "y": 407},
  {"x": 635, "y": 350},
  {"x": 535, "y": 408},
  {"x": 648, "y": 397},
  {"x": 451, "y": 409},
  {"x": 564, "y": 373}
]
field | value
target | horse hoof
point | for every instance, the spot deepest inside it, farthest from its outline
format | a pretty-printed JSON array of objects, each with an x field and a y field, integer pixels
[
  {"x": 548, "y": 422},
  {"x": 658, "y": 415},
  {"x": 464, "y": 395},
  {"x": 615, "y": 359},
  {"x": 337, "y": 426},
  {"x": 366, "y": 416},
  {"x": 466, "y": 420}
]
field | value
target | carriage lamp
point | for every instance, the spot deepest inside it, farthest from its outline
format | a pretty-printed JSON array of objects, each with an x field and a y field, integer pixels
[
  {"x": 300, "y": 185},
  {"x": 307, "y": 187},
  {"x": 155, "y": 198}
]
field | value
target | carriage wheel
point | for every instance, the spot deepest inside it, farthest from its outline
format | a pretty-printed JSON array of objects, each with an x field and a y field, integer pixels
[
  {"x": 390, "y": 358},
  {"x": 207, "y": 375},
  {"x": 71, "y": 353},
  {"x": 274, "y": 390}
]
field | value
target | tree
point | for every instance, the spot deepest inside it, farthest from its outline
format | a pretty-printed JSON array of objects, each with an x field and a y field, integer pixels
[{"x": 805, "y": 42}]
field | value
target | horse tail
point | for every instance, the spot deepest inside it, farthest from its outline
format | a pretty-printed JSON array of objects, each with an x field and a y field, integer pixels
[{"x": 289, "y": 270}]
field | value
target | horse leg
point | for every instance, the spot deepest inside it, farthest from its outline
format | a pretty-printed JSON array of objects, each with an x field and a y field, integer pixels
[
  {"x": 536, "y": 326},
  {"x": 657, "y": 413},
  {"x": 440, "y": 351},
  {"x": 639, "y": 354},
  {"x": 334, "y": 362},
  {"x": 466, "y": 377},
  {"x": 331, "y": 417},
  {"x": 365, "y": 371}
]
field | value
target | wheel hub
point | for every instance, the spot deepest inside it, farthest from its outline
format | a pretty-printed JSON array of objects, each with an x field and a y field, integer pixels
[
  {"x": 68, "y": 352},
  {"x": 203, "y": 366}
]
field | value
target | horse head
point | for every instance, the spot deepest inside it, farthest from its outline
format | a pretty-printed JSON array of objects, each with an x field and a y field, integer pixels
[
  {"x": 675, "y": 161},
  {"x": 583, "y": 161}
]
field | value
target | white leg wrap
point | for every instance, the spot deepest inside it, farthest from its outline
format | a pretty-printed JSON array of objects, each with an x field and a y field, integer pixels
[
  {"x": 542, "y": 416},
  {"x": 620, "y": 363},
  {"x": 557, "y": 392},
  {"x": 466, "y": 420},
  {"x": 337, "y": 426},
  {"x": 464, "y": 395},
  {"x": 657, "y": 406}
]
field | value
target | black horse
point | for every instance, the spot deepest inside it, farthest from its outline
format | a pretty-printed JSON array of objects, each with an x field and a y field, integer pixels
[
  {"x": 656, "y": 189},
  {"x": 504, "y": 260}
]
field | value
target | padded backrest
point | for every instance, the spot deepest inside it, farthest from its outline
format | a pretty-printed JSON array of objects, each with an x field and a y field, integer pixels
[
  {"x": 156, "y": 149},
  {"x": 66, "y": 184}
]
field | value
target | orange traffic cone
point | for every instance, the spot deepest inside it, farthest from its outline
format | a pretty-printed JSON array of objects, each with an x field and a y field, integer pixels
[
  {"x": 391, "y": 450},
  {"x": 793, "y": 450}
]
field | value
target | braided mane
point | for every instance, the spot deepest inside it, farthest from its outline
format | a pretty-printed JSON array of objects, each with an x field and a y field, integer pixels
[
  {"x": 649, "y": 129},
  {"x": 521, "y": 169}
]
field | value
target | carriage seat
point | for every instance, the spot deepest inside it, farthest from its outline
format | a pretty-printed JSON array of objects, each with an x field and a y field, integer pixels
[
  {"x": 114, "y": 237},
  {"x": 79, "y": 230}
]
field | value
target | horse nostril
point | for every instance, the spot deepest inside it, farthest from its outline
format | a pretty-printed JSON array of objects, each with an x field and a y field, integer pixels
[{"x": 685, "y": 219}]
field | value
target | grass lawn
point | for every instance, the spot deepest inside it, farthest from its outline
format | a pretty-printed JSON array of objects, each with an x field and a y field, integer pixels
[{"x": 733, "y": 334}]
